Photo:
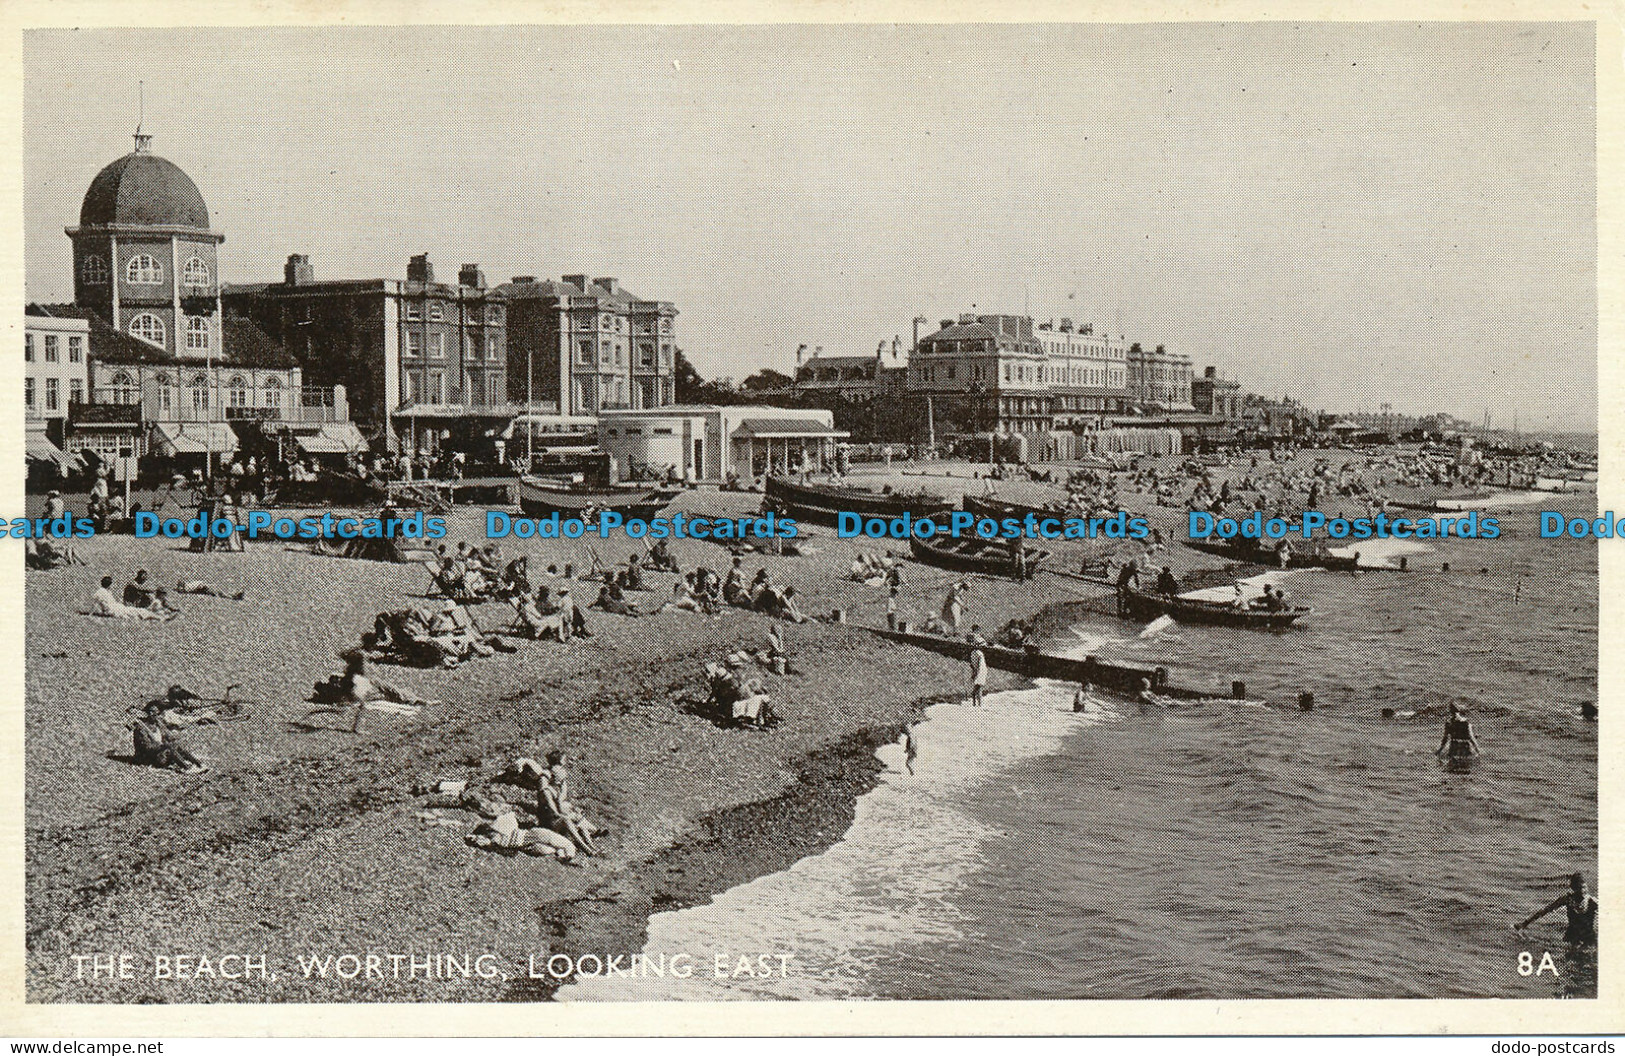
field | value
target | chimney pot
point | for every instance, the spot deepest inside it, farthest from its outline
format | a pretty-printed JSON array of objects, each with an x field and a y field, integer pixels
[
  {"x": 298, "y": 272},
  {"x": 418, "y": 269},
  {"x": 471, "y": 275}
]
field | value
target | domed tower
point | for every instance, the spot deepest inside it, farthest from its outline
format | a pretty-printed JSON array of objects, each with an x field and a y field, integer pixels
[{"x": 144, "y": 255}]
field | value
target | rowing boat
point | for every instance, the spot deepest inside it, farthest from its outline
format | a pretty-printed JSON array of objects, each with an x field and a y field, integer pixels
[
  {"x": 542, "y": 498},
  {"x": 1117, "y": 678},
  {"x": 1143, "y": 606},
  {"x": 1253, "y": 554},
  {"x": 998, "y": 509},
  {"x": 819, "y": 503},
  {"x": 988, "y": 556}
]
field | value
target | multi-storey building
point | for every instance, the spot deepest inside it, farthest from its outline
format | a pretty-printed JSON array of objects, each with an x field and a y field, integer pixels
[
  {"x": 1001, "y": 373},
  {"x": 147, "y": 361},
  {"x": 582, "y": 345},
  {"x": 56, "y": 370},
  {"x": 1159, "y": 380},
  {"x": 1220, "y": 397},
  {"x": 851, "y": 377},
  {"x": 417, "y": 358},
  {"x": 144, "y": 255}
]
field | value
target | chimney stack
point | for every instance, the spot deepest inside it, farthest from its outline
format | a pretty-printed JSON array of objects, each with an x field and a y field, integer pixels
[
  {"x": 611, "y": 284},
  {"x": 471, "y": 275},
  {"x": 524, "y": 280},
  {"x": 946, "y": 323},
  {"x": 418, "y": 269},
  {"x": 801, "y": 350},
  {"x": 578, "y": 281},
  {"x": 298, "y": 272},
  {"x": 1211, "y": 372}
]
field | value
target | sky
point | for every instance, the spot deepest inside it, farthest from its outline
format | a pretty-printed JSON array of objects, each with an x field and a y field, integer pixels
[{"x": 1351, "y": 214}]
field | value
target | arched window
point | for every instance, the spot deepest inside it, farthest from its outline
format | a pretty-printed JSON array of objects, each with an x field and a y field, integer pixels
[
  {"x": 93, "y": 271},
  {"x": 144, "y": 270},
  {"x": 148, "y": 327},
  {"x": 197, "y": 272},
  {"x": 238, "y": 394},
  {"x": 124, "y": 388},
  {"x": 166, "y": 394},
  {"x": 197, "y": 333},
  {"x": 200, "y": 393},
  {"x": 273, "y": 392}
]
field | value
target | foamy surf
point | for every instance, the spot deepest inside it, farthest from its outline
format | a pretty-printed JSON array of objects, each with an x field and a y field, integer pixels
[
  {"x": 888, "y": 885},
  {"x": 1381, "y": 553}
]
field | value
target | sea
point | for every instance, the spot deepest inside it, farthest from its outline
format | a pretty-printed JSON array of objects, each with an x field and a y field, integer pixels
[{"x": 1229, "y": 850}]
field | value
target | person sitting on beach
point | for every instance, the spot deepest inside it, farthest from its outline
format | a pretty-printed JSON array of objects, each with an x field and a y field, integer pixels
[
  {"x": 453, "y": 625},
  {"x": 516, "y": 578},
  {"x": 975, "y": 637},
  {"x": 733, "y": 588},
  {"x": 743, "y": 701},
  {"x": 105, "y": 604},
  {"x": 682, "y": 600},
  {"x": 538, "y": 625},
  {"x": 141, "y": 593},
  {"x": 192, "y": 586},
  {"x": 661, "y": 559},
  {"x": 953, "y": 607},
  {"x": 611, "y": 601},
  {"x": 555, "y": 811},
  {"x": 630, "y": 577},
  {"x": 575, "y": 621},
  {"x": 155, "y": 743},
  {"x": 779, "y": 602}
]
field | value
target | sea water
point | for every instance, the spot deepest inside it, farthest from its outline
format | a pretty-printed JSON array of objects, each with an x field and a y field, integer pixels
[{"x": 1225, "y": 850}]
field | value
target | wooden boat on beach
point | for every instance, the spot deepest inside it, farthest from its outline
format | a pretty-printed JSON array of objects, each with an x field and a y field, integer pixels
[
  {"x": 998, "y": 509},
  {"x": 543, "y": 498},
  {"x": 990, "y": 557},
  {"x": 1029, "y": 663},
  {"x": 1251, "y": 553},
  {"x": 1145, "y": 606},
  {"x": 819, "y": 503}
]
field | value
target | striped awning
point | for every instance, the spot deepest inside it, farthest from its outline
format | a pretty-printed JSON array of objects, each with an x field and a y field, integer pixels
[
  {"x": 195, "y": 438},
  {"x": 40, "y": 449}
]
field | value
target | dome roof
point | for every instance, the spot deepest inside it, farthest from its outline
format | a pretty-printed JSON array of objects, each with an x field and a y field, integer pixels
[{"x": 143, "y": 189}]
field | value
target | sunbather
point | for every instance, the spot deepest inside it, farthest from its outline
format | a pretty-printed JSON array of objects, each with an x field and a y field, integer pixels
[{"x": 155, "y": 743}]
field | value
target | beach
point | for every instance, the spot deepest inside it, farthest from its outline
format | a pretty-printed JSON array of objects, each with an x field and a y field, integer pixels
[{"x": 125, "y": 858}]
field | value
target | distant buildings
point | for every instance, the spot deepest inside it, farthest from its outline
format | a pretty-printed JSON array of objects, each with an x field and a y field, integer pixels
[
  {"x": 583, "y": 345},
  {"x": 708, "y": 443},
  {"x": 417, "y": 358},
  {"x": 1159, "y": 380},
  {"x": 1002, "y": 373},
  {"x": 851, "y": 377},
  {"x": 1220, "y": 397}
]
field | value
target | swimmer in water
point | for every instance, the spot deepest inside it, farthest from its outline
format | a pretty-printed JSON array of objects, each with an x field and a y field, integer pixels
[
  {"x": 1458, "y": 741},
  {"x": 1582, "y": 914},
  {"x": 1080, "y": 699}
]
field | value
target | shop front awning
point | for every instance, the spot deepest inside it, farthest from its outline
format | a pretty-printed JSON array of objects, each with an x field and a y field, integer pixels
[
  {"x": 322, "y": 445},
  {"x": 194, "y": 438},
  {"x": 787, "y": 429},
  {"x": 40, "y": 449}
]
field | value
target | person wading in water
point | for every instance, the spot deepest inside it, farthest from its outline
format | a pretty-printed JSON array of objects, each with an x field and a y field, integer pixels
[
  {"x": 1582, "y": 914},
  {"x": 1458, "y": 741}
]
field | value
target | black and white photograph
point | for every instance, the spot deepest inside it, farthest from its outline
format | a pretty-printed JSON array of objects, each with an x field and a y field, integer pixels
[{"x": 898, "y": 512}]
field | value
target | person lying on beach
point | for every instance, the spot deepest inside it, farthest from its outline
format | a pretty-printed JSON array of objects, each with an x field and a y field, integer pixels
[
  {"x": 46, "y": 554},
  {"x": 504, "y": 834},
  {"x": 192, "y": 586},
  {"x": 453, "y": 626},
  {"x": 105, "y": 604},
  {"x": 155, "y": 743},
  {"x": 361, "y": 689}
]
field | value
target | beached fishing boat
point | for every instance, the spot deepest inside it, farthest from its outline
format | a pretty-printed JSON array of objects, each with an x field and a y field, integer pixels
[
  {"x": 1145, "y": 606},
  {"x": 991, "y": 557},
  {"x": 543, "y": 498},
  {"x": 1030, "y": 663},
  {"x": 819, "y": 503},
  {"x": 998, "y": 509},
  {"x": 1253, "y": 554}
]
